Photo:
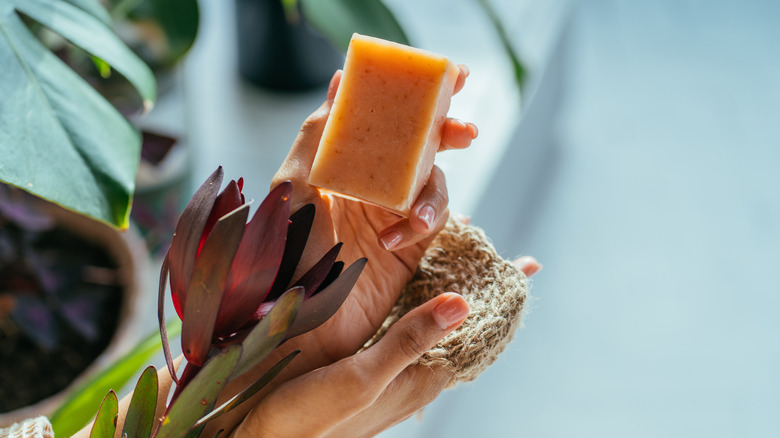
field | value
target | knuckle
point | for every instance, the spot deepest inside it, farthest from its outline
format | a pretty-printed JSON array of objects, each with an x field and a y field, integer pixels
[{"x": 411, "y": 342}]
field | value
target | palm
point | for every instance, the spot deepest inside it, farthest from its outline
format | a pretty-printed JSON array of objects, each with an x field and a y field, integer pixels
[{"x": 357, "y": 225}]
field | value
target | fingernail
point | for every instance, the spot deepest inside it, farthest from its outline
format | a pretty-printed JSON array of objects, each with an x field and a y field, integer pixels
[
  {"x": 465, "y": 69},
  {"x": 474, "y": 130},
  {"x": 391, "y": 240},
  {"x": 450, "y": 311},
  {"x": 428, "y": 215},
  {"x": 529, "y": 265}
]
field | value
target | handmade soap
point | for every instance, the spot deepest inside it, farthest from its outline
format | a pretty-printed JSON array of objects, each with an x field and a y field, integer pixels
[{"x": 385, "y": 124}]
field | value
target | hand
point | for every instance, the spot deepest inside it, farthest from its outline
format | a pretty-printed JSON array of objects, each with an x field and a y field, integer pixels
[
  {"x": 393, "y": 246},
  {"x": 370, "y": 391}
]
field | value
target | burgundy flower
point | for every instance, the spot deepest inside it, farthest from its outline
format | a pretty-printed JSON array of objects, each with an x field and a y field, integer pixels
[{"x": 227, "y": 273}]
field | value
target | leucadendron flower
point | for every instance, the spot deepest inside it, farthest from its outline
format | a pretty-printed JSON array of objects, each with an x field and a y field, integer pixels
[{"x": 226, "y": 274}]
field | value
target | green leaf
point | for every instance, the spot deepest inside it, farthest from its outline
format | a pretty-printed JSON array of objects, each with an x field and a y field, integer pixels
[
  {"x": 94, "y": 8},
  {"x": 199, "y": 396},
  {"x": 59, "y": 138},
  {"x": 208, "y": 284},
  {"x": 178, "y": 20},
  {"x": 140, "y": 414},
  {"x": 249, "y": 391},
  {"x": 517, "y": 66},
  {"x": 94, "y": 36},
  {"x": 337, "y": 20},
  {"x": 79, "y": 408},
  {"x": 105, "y": 422},
  {"x": 270, "y": 331}
]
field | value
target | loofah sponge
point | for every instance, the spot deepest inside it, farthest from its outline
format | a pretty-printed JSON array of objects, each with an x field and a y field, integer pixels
[
  {"x": 32, "y": 428},
  {"x": 462, "y": 260}
]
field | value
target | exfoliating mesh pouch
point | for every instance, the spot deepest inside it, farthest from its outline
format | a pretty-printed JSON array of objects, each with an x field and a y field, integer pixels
[{"x": 462, "y": 260}]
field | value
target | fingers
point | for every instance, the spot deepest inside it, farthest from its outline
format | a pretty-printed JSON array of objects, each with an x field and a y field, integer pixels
[
  {"x": 335, "y": 393},
  {"x": 462, "y": 75},
  {"x": 457, "y": 134},
  {"x": 428, "y": 215},
  {"x": 413, "y": 335},
  {"x": 528, "y": 265}
]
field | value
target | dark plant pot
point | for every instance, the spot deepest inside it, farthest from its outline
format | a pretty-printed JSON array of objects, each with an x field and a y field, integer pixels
[
  {"x": 281, "y": 54},
  {"x": 129, "y": 253}
]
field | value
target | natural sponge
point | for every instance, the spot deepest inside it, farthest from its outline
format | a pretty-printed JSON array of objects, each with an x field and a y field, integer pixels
[{"x": 462, "y": 260}]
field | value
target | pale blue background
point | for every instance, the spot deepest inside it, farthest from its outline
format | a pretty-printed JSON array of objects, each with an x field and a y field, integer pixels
[{"x": 644, "y": 175}]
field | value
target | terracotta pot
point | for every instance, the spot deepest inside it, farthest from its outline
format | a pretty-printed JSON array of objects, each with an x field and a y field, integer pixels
[{"x": 130, "y": 254}]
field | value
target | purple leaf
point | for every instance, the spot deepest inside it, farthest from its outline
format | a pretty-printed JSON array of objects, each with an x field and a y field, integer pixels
[
  {"x": 334, "y": 273},
  {"x": 82, "y": 314},
  {"x": 312, "y": 279},
  {"x": 297, "y": 236},
  {"x": 208, "y": 283},
  {"x": 139, "y": 419},
  {"x": 270, "y": 331},
  {"x": 187, "y": 236},
  {"x": 257, "y": 260},
  {"x": 35, "y": 318},
  {"x": 320, "y": 307}
]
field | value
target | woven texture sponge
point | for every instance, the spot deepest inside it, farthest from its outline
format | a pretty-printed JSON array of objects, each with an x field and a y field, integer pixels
[{"x": 462, "y": 260}]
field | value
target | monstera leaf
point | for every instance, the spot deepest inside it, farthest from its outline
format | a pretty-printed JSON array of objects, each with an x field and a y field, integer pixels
[
  {"x": 59, "y": 139},
  {"x": 336, "y": 20}
]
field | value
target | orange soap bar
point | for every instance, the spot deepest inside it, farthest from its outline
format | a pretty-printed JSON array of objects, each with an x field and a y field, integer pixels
[{"x": 385, "y": 125}]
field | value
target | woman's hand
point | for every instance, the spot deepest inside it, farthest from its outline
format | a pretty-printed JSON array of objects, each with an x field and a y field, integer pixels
[
  {"x": 370, "y": 391},
  {"x": 393, "y": 246}
]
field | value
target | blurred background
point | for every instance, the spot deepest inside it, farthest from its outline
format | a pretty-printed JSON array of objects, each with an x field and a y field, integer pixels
[
  {"x": 636, "y": 156},
  {"x": 641, "y": 170}
]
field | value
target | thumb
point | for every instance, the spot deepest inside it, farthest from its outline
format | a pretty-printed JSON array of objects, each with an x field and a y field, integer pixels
[
  {"x": 334, "y": 393},
  {"x": 297, "y": 165},
  {"x": 413, "y": 335}
]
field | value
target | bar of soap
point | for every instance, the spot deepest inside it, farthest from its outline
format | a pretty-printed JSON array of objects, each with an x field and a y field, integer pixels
[{"x": 385, "y": 124}]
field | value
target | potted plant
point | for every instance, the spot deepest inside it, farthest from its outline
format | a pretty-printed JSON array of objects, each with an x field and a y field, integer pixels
[
  {"x": 69, "y": 291},
  {"x": 160, "y": 32},
  {"x": 297, "y": 44},
  {"x": 62, "y": 141}
]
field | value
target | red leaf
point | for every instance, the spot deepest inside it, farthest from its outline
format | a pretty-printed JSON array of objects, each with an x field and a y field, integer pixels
[
  {"x": 208, "y": 284},
  {"x": 297, "y": 236},
  {"x": 230, "y": 199},
  {"x": 186, "y": 237},
  {"x": 161, "y": 319},
  {"x": 257, "y": 261},
  {"x": 312, "y": 279},
  {"x": 320, "y": 307}
]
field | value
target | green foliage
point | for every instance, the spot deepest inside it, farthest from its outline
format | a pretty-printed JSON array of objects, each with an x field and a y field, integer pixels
[
  {"x": 177, "y": 21},
  {"x": 59, "y": 138},
  {"x": 78, "y": 409},
  {"x": 140, "y": 414},
  {"x": 506, "y": 44},
  {"x": 105, "y": 422},
  {"x": 199, "y": 396},
  {"x": 248, "y": 392},
  {"x": 337, "y": 20},
  {"x": 270, "y": 331}
]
